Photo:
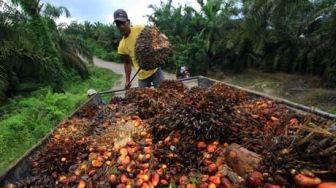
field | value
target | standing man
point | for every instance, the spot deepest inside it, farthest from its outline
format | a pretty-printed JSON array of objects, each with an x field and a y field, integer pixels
[{"x": 126, "y": 50}]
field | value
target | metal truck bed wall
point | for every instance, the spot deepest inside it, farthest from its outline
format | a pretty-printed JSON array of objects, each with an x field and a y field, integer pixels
[{"x": 22, "y": 166}]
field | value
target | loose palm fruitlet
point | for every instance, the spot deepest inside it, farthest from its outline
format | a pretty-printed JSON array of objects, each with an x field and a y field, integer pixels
[
  {"x": 173, "y": 136},
  {"x": 152, "y": 48}
]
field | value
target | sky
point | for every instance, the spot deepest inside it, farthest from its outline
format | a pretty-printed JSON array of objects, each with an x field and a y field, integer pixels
[{"x": 102, "y": 10}]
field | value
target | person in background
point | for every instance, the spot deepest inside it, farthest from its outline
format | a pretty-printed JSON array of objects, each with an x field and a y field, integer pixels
[
  {"x": 182, "y": 73},
  {"x": 126, "y": 50}
]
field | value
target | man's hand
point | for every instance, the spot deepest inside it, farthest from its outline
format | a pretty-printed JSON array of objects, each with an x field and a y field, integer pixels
[{"x": 128, "y": 84}]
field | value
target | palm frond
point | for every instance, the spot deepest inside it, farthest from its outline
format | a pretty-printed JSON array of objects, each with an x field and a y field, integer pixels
[
  {"x": 53, "y": 12},
  {"x": 77, "y": 46},
  {"x": 72, "y": 60},
  {"x": 31, "y": 7}
]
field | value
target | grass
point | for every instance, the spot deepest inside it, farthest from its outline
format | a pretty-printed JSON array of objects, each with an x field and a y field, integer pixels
[
  {"x": 28, "y": 118},
  {"x": 333, "y": 110}
]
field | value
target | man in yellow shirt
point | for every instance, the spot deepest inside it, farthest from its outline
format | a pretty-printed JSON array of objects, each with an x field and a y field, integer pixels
[{"x": 126, "y": 49}]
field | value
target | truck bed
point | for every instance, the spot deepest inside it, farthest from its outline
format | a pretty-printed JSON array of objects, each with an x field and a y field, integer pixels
[{"x": 22, "y": 167}]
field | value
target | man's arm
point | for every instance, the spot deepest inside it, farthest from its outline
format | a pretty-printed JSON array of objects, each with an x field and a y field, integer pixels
[{"x": 128, "y": 70}]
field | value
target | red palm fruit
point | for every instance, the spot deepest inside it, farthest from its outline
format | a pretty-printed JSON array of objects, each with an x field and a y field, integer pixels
[
  {"x": 92, "y": 172},
  {"x": 113, "y": 178},
  {"x": 201, "y": 145},
  {"x": 204, "y": 185},
  {"x": 160, "y": 171},
  {"x": 138, "y": 182},
  {"x": 212, "y": 185},
  {"x": 121, "y": 185},
  {"x": 256, "y": 178},
  {"x": 81, "y": 184},
  {"x": 147, "y": 150},
  {"x": 147, "y": 156},
  {"x": 121, "y": 168},
  {"x": 211, "y": 148},
  {"x": 123, "y": 151},
  {"x": 177, "y": 138},
  {"x": 144, "y": 177},
  {"x": 183, "y": 180},
  {"x": 226, "y": 182},
  {"x": 215, "y": 179},
  {"x": 126, "y": 160},
  {"x": 327, "y": 185},
  {"x": 164, "y": 182},
  {"x": 167, "y": 140},
  {"x": 123, "y": 178},
  {"x": 63, "y": 179},
  {"x": 212, "y": 168},
  {"x": 306, "y": 181},
  {"x": 155, "y": 178},
  {"x": 135, "y": 117},
  {"x": 145, "y": 185},
  {"x": 219, "y": 161},
  {"x": 97, "y": 163},
  {"x": 190, "y": 185},
  {"x": 216, "y": 142},
  {"x": 131, "y": 143},
  {"x": 207, "y": 162},
  {"x": 78, "y": 172},
  {"x": 117, "y": 114}
]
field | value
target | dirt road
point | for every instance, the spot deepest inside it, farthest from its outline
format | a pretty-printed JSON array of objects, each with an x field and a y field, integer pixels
[{"x": 119, "y": 69}]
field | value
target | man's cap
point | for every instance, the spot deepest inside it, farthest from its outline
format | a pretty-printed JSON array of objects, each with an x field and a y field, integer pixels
[{"x": 120, "y": 15}]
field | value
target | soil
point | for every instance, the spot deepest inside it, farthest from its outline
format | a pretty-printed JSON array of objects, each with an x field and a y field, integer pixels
[{"x": 305, "y": 90}]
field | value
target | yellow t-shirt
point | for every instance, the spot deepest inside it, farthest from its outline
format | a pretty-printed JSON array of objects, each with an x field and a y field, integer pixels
[{"x": 127, "y": 47}]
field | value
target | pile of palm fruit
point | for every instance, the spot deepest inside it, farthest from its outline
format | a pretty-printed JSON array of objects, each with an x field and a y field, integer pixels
[{"x": 173, "y": 136}]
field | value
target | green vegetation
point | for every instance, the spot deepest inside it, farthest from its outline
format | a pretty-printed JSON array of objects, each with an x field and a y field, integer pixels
[
  {"x": 101, "y": 52},
  {"x": 26, "y": 119},
  {"x": 333, "y": 110},
  {"x": 296, "y": 37},
  {"x": 102, "y": 39},
  {"x": 34, "y": 50}
]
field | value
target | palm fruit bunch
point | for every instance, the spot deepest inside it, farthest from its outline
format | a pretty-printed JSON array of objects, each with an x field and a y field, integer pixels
[{"x": 152, "y": 48}]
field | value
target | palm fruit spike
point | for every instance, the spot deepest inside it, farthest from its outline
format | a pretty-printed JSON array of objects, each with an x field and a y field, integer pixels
[{"x": 152, "y": 48}]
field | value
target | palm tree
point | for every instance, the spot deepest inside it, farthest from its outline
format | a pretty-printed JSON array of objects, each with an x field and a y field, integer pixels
[
  {"x": 28, "y": 55},
  {"x": 272, "y": 35},
  {"x": 209, "y": 17},
  {"x": 54, "y": 70},
  {"x": 326, "y": 37},
  {"x": 64, "y": 49},
  {"x": 69, "y": 47},
  {"x": 20, "y": 55}
]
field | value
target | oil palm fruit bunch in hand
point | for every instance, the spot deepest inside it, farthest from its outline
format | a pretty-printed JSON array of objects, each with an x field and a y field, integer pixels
[{"x": 152, "y": 48}]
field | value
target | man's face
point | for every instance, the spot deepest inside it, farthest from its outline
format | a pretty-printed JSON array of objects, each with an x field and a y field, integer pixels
[{"x": 123, "y": 27}]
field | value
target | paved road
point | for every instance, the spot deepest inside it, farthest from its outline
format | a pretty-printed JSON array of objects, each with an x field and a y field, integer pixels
[{"x": 119, "y": 69}]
